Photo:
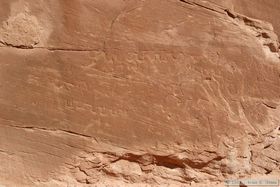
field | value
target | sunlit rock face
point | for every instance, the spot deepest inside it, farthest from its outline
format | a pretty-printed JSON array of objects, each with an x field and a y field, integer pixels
[{"x": 145, "y": 92}]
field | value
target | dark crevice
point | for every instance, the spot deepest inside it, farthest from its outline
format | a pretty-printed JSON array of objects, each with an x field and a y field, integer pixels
[
  {"x": 201, "y": 6},
  {"x": 267, "y": 171},
  {"x": 168, "y": 161},
  {"x": 15, "y": 46},
  {"x": 230, "y": 13},
  {"x": 165, "y": 161},
  {"x": 208, "y": 8},
  {"x": 52, "y": 130},
  {"x": 267, "y": 146},
  {"x": 66, "y": 49},
  {"x": 184, "y": 1},
  {"x": 270, "y": 105},
  {"x": 6, "y": 45},
  {"x": 75, "y": 133},
  {"x": 241, "y": 184}
]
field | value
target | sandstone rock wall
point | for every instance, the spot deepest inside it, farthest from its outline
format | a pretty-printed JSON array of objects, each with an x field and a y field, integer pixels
[{"x": 139, "y": 91}]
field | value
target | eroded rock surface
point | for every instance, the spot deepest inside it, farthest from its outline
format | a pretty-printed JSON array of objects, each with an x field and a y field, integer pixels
[{"x": 145, "y": 92}]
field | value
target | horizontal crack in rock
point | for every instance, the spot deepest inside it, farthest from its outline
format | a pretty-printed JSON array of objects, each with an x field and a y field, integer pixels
[
  {"x": 48, "y": 48},
  {"x": 218, "y": 10},
  {"x": 51, "y": 130}
]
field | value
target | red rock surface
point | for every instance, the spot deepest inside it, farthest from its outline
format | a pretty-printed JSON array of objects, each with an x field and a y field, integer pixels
[{"x": 145, "y": 92}]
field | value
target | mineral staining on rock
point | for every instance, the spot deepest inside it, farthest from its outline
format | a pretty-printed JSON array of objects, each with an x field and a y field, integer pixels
[{"x": 137, "y": 92}]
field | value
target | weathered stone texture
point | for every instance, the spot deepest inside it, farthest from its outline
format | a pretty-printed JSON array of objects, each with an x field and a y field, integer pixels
[{"x": 145, "y": 92}]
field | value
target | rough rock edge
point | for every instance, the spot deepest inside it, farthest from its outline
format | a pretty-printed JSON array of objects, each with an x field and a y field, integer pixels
[
  {"x": 180, "y": 167},
  {"x": 21, "y": 30},
  {"x": 262, "y": 30}
]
